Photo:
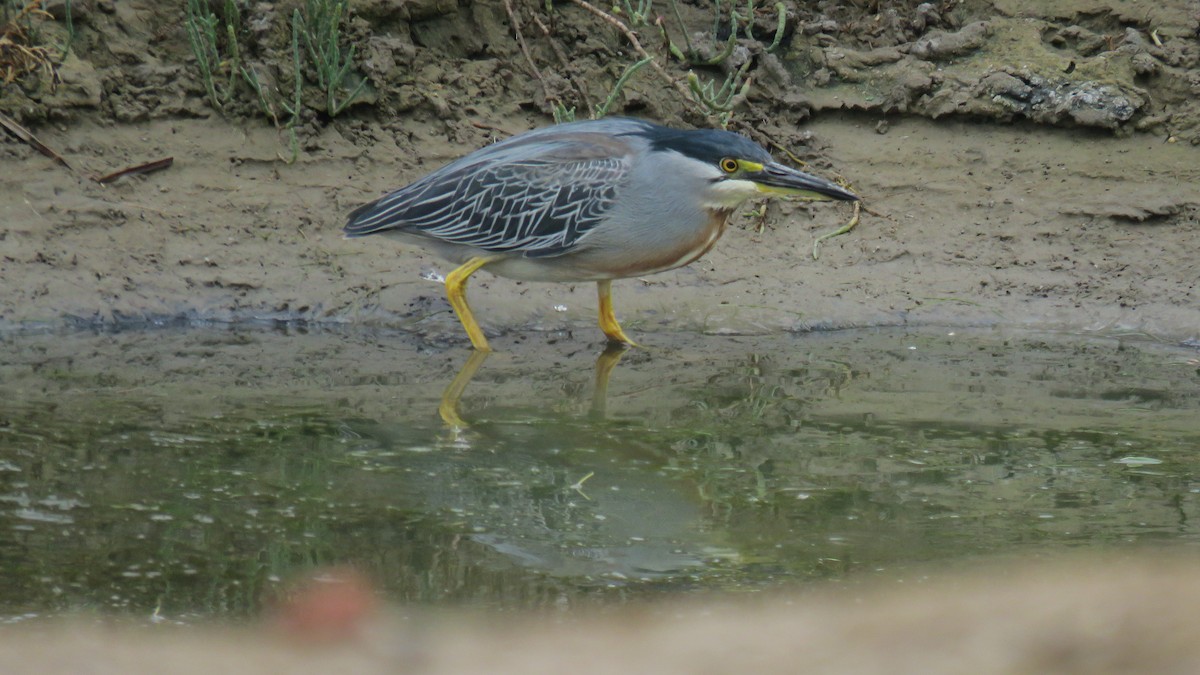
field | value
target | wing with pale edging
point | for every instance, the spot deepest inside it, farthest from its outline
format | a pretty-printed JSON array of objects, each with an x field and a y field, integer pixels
[{"x": 538, "y": 200}]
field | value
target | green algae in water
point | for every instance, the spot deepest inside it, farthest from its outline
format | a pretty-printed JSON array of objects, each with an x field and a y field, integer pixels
[{"x": 192, "y": 473}]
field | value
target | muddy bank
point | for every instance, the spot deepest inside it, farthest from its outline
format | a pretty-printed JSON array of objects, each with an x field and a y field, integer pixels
[
  {"x": 1078, "y": 210},
  {"x": 970, "y": 225}
]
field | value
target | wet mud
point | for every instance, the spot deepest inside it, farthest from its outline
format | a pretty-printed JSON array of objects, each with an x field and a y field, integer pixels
[{"x": 1001, "y": 189}]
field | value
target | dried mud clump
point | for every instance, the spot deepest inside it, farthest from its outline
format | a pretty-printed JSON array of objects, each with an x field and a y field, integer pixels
[
  {"x": 1108, "y": 65},
  {"x": 1011, "y": 60}
]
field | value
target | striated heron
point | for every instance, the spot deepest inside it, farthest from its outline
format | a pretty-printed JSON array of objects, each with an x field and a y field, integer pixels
[{"x": 586, "y": 201}]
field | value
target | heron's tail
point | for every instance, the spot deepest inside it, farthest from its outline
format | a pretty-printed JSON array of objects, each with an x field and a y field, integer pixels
[{"x": 366, "y": 220}]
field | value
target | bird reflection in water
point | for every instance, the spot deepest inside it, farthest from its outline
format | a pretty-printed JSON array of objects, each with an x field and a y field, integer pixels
[{"x": 448, "y": 408}]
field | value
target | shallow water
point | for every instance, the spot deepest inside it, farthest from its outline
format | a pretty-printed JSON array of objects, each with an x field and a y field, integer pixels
[{"x": 185, "y": 473}]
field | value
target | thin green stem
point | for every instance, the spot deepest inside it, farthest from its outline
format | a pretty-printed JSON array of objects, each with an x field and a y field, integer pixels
[
  {"x": 70, "y": 28},
  {"x": 201, "y": 26},
  {"x": 781, "y": 12},
  {"x": 321, "y": 29},
  {"x": 603, "y": 109},
  {"x": 687, "y": 41}
]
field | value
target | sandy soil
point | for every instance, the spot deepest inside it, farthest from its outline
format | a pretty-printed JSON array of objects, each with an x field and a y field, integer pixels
[
  {"x": 1078, "y": 616},
  {"x": 1048, "y": 216}
]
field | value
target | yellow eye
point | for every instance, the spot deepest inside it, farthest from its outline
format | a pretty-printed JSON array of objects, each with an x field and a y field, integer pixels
[{"x": 729, "y": 165}]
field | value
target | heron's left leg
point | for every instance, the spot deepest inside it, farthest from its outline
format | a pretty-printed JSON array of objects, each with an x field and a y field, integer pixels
[
  {"x": 608, "y": 320},
  {"x": 456, "y": 291}
]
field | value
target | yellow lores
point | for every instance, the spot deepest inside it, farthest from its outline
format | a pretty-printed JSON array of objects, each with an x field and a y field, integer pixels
[{"x": 587, "y": 201}]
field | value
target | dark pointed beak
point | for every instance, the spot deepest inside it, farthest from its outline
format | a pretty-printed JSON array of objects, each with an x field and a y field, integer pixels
[{"x": 776, "y": 178}]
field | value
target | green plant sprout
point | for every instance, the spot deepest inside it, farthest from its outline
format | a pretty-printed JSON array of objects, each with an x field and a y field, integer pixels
[
  {"x": 746, "y": 20},
  {"x": 715, "y": 100},
  {"x": 563, "y": 114},
  {"x": 738, "y": 22},
  {"x": 321, "y": 30},
  {"x": 216, "y": 46},
  {"x": 69, "y": 20},
  {"x": 251, "y": 77},
  {"x": 780, "y": 27},
  {"x": 298, "y": 80},
  {"x": 638, "y": 16},
  {"x": 682, "y": 29},
  {"x": 602, "y": 109},
  {"x": 201, "y": 25},
  {"x": 721, "y": 101}
]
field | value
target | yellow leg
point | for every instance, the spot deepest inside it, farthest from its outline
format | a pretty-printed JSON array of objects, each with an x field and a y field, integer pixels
[
  {"x": 456, "y": 291},
  {"x": 608, "y": 320}
]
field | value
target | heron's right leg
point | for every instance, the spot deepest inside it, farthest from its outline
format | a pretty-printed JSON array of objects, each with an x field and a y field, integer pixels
[
  {"x": 456, "y": 291},
  {"x": 608, "y": 319}
]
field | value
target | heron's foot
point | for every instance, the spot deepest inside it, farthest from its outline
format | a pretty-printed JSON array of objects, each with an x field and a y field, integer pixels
[
  {"x": 608, "y": 319},
  {"x": 616, "y": 336}
]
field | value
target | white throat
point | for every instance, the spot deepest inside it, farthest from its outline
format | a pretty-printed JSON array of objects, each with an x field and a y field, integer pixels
[{"x": 729, "y": 194}]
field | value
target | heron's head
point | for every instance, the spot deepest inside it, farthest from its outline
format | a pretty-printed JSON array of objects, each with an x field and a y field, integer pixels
[{"x": 736, "y": 168}]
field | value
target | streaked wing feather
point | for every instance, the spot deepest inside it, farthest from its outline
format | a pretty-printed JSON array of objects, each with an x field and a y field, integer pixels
[{"x": 535, "y": 203}]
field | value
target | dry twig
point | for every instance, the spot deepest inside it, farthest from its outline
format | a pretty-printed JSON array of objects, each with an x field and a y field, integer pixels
[
  {"x": 148, "y": 167},
  {"x": 26, "y": 135}
]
